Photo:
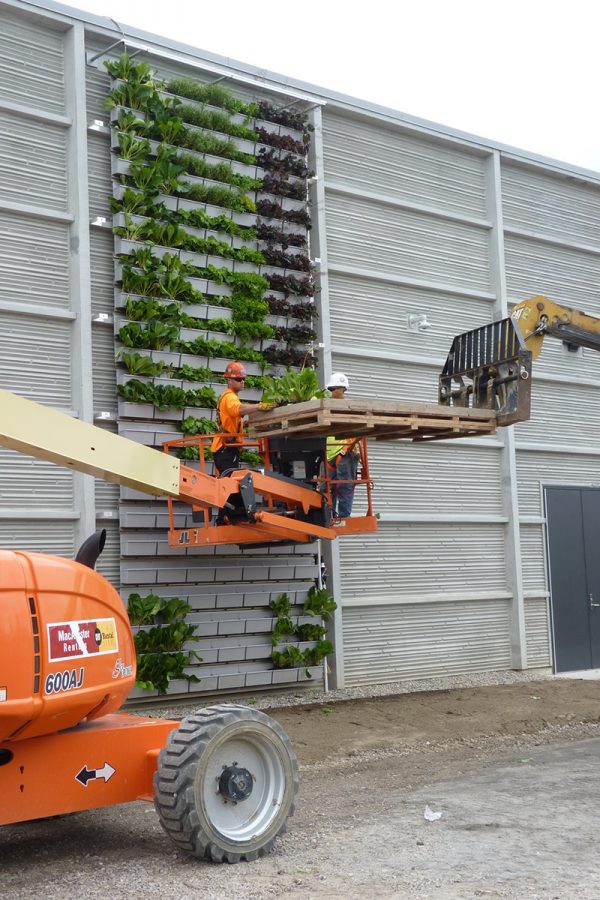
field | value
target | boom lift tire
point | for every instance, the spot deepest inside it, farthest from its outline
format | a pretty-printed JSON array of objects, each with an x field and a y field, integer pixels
[{"x": 226, "y": 783}]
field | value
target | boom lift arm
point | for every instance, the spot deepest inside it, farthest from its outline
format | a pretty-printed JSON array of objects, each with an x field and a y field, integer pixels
[{"x": 291, "y": 510}]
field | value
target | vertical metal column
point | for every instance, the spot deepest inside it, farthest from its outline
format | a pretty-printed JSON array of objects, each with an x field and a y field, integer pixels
[
  {"x": 79, "y": 260},
  {"x": 318, "y": 249},
  {"x": 508, "y": 463}
]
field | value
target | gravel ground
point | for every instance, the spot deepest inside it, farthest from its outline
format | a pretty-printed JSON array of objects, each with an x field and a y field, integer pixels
[
  {"x": 509, "y": 760},
  {"x": 295, "y": 697}
]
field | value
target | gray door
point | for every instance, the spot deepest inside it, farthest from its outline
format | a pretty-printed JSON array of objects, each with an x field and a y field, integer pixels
[{"x": 573, "y": 516}]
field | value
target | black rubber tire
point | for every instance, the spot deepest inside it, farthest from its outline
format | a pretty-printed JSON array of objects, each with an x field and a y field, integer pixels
[{"x": 191, "y": 762}]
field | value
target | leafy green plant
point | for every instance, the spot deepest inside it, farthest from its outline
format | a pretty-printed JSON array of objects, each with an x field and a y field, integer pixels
[
  {"x": 132, "y": 202},
  {"x": 250, "y": 458},
  {"x": 319, "y": 603},
  {"x": 315, "y": 655},
  {"x": 142, "y": 610},
  {"x": 133, "y": 148},
  {"x": 153, "y": 336},
  {"x": 283, "y": 628},
  {"x": 191, "y": 425},
  {"x": 214, "y": 94},
  {"x": 161, "y": 653},
  {"x": 293, "y": 387},
  {"x": 144, "y": 310},
  {"x": 193, "y": 373},
  {"x": 166, "y": 396},
  {"x": 138, "y": 364},
  {"x": 310, "y": 632}
]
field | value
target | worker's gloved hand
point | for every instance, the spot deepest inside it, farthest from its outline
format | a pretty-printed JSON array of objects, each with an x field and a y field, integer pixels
[{"x": 262, "y": 405}]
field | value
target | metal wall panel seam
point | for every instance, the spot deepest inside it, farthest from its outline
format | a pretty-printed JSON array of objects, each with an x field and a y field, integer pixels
[
  {"x": 548, "y": 165},
  {"x": 18, "y": 513},
  {"x": 318, "y": 249},
  {"x": 538, "y": 237},
  {"x": 36, "y": 212},
  {"x": 421, "y": 599},
  {"x": 39, "y": 115},
  {"x": 438, "y": 517},
  {"x": 80, "y": 291},
  {"x": 508, "y": 465},
  {"x": 335, "y": 188},
  {"x": 568, "y": 449},
  {"x": 346, "y": 350},
  {"x": 40, "y": 312},
  {"x": 386, "y": 278}
]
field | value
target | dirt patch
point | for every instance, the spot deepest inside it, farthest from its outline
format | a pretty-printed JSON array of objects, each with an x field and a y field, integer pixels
[
  {"x": 512, "y": 770},
  {"x": 351, "y": 727}
]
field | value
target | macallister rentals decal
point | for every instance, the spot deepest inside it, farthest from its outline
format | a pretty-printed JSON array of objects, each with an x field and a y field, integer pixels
[{"x": 70, "y": 640}]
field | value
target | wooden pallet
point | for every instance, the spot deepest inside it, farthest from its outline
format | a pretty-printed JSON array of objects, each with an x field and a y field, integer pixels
[{"x": 383, "y": 420}]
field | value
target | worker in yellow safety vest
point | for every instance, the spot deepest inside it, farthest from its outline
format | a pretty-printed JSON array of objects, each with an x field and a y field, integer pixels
[{"x": 342, "y": 457}]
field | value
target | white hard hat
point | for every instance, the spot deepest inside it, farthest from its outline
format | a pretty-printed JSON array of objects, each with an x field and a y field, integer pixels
[{"x": 337, "y": 380}]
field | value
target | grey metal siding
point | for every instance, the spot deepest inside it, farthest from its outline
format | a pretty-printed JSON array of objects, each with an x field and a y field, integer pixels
[
  {"x": 409, "y": 231},
  {"x": 38, "y": 304},
  {"x": 552, "y": 248},
  {"x": 32, "y": 161},
  {"x": 387, "y": 643},
  {"x": 32, "y": 68},
  {"x": 402, "y": 166}
]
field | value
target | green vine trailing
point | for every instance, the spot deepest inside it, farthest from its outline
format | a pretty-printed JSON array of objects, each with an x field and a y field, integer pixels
[
  {"x": 161, "y": 649},
  {"x": 288, "y": 631}
]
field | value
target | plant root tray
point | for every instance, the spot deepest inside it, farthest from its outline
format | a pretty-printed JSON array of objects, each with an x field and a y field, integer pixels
[{"x": 383, "y": 420}]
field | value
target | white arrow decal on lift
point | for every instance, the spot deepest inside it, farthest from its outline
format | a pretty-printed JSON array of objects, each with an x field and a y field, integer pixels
[{"x": 85, "y": 775}]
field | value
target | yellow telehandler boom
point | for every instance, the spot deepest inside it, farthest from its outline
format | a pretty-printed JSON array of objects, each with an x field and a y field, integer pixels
[{"x": 490, "y": 367}]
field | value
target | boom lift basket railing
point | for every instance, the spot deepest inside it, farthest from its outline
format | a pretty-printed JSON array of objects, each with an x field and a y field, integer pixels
[
  {"x": 278, "y": 516},
  {"x": 489, "y": 368}
]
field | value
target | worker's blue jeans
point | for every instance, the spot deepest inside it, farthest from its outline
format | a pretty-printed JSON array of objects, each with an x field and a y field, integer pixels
[{"x": 342, "y": 495}]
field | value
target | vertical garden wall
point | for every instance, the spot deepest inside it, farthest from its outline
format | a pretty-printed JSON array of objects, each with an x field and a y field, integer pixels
[{"x": 211, "y": 224}]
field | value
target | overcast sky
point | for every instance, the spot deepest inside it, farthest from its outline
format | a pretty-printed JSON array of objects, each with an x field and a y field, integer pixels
[{"x": 521, "y": 72}]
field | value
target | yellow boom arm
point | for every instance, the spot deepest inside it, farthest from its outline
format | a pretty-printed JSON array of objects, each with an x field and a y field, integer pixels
[
  {"x": 539, "y": 316},
  {"x": 50, "y": 435}
]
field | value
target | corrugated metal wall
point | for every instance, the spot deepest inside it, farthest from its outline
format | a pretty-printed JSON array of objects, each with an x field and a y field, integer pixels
[
  {"x": 39, "y": 509},
  {"x": 415, "y": 222},
  {"x": 408, "y": 231},
  {"x": 553, "y": 247}
]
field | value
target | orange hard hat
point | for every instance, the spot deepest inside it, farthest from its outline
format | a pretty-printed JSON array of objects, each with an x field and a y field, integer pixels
[{"x": 235, "y": 370}]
